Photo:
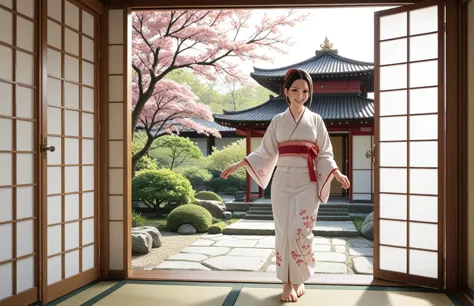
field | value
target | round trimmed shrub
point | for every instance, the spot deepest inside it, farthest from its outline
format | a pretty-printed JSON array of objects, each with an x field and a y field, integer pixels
[
  {"x": 217, "y": 228},
  {"x": 193, "y": 214},
  {"x": 208, "y": 195}
]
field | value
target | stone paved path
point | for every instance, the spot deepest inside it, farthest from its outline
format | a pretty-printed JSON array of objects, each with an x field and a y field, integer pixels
[{"x": 336, "y": 255}]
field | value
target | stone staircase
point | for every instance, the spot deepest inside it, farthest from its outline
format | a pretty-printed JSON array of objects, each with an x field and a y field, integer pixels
[{"x": 327, "y": 212}]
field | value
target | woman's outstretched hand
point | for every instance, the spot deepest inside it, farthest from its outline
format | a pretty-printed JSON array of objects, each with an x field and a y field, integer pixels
[
  {"x": 231, "y": 169},
  {"x": 341, "y": 178}
]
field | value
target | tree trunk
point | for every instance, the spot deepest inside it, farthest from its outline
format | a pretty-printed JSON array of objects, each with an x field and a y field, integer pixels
[{"x": 157, "y": 211}]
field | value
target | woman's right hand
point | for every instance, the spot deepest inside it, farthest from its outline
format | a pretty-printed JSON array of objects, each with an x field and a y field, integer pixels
[{"x": 231, "y": 169}]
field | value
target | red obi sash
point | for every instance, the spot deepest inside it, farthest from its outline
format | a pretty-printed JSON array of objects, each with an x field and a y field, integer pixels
[{"x": 301, "y": 148}]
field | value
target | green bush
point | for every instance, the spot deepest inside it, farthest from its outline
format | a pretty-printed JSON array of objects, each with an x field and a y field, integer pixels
[
  {"x": 146, "y": 163},
  {"x": 217, "y": 228},
  {"x": 196, "y": 215},
  {"x": 220, "y": 185},
  {"x": 158, "y": 188},
  {"x": 216, "y": 220},
  {"x": 231, "y": 190},
  {"x": 197, "y": 176},
  {"x": 137, "y": 219},
  {"x": 208, "y": 195}
]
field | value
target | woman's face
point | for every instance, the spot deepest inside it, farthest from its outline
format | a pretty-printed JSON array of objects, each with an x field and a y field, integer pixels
[{"x": 298, "y": 93}]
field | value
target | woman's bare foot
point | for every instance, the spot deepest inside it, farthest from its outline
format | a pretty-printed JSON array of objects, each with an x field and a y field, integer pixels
[
  {"x": 289, "y": 294},
  {"x": 299, "y": 289}
]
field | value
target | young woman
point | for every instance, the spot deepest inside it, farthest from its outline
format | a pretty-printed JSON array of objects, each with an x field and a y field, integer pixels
[{"x": 298, "y": 145}]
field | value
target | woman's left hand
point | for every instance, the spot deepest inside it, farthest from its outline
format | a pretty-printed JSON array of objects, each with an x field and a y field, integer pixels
[{"x": 341, "y": 178}]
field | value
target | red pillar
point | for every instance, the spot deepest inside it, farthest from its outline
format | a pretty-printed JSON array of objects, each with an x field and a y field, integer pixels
[
  {"x": 260, "y": 192},
  {"x": 349, "y": 172},
  {"x": 248, "y": 186}
]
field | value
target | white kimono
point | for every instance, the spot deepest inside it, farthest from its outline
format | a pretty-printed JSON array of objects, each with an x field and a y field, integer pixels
[{"x": 295, "y": 198}]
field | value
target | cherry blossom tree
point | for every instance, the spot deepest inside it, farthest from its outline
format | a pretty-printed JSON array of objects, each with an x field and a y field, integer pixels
[{"x": 211, "y": 43}]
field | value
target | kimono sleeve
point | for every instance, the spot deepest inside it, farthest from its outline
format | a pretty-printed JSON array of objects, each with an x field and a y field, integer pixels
[
  {"x": 325, "y": 164},
  {"x": 261, "y": 163}
]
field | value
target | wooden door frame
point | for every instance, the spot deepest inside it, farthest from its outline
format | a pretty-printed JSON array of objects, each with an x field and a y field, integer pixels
[{"x": 454, "y": 183}]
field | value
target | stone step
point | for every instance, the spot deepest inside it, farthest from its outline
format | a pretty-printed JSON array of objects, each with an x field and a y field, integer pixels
[
  {"x": 333, "y": 213},
  {"x": 255, "y": 216},
  {"x": 260, "y": 209},
  {"x": 258, "y": 217},
  {"x": 271, "y": 232},
  {"x": 333, "y": 218}
]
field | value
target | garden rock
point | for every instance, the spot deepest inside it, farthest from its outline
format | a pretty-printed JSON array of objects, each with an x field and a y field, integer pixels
[
  {"x": 187, "y": 229},
  {"x": 367, "y": 228},
  {"x": 141, "y": 243},
  {"x": 216, "y": 208},
  {"x": 227, "y": 215},
  {"x": 153, "y": 232}
]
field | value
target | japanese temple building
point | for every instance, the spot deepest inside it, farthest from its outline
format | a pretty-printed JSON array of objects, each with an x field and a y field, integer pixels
[{"x": 340, "y": 89}]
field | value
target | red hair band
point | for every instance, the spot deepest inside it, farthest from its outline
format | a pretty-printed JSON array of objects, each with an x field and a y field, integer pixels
[{"x": 289, "y": 71}]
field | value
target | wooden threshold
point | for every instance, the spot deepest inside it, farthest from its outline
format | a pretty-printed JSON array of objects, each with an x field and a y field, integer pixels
[{"x": 257, "y": 277}]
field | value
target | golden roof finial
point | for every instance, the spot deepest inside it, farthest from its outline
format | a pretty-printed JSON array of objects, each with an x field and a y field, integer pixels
[{"x": 326, "y": 46}]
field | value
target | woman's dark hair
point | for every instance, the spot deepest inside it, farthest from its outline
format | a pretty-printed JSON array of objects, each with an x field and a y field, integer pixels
[{"x": 294, "y": 74}]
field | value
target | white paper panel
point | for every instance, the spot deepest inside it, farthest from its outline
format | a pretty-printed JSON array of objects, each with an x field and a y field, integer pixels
[
  {"x": 88, "y": 152},
  {"x": 54, "y": 269},
  {"x": 6, "y": 26},
  {"x": 424, "y": 74},
  {"x": 87, "y": 99},
  {"x": 115, "y": 88},
  {"x": 71, "y": 207},
  {"x": 24, "y": 202},
  {"x": 25, "y": 238},
  {"x": 116, "y": 207},
  {"x": 424, "y": 20},
  {"x": 393, "y": 51},
  {"x": 6, "y": 134},
  {"x": 116, "y": 245},
  {"x": 87, "y": 23},
  {"x": 116, "y": 154},
  {"x": 72, "y": 179},
  {"x": 54, "y": 210},
  {"x": 424, "y": 127},
  {"x": 6, "y": 108},
  {"x": 116, "y": 121},
  {"x": 87, "y": 48},
  {"x": 7, "y": 3},
  {"x": 54, "y": 158},
  {"x": 25, "y": 34},
  {"x": 72, "y": 264},
  {"x": 54, "y": 121},
  {"x": 393, "y": 180},
  {"x": 55, "y": 9},
  {"x": 88, "y": 258},
  {"x": 393, "y": 259},
  {"x": 424, "y": 208},
  {"x": 88, "y": 231},
  {"x": 54, "y": 180},
  {"x": 393, "y": 128},
  {"x": 25, "y": 274},
  {"x": 424, "y": 154},
  {"x": 6, "y": 205},
  {"x": 88, "y": 178},
  {"x": 71, "y": 41},
  {"x": 54, "y": 63},
  {"x": 25, "y": 168},
  {"x": 393, "y": 77},
  {"x": 115, "y": 181},
  {"x": 115, "y": 59},
  {"x": 424, "y": 181},
  {"x": 393, "y": 233},
  {"x": 393, "y": 103},
  {"x": 24, "y": 135},
  {"x": 424, "y": 100},
  {"x": 71, "y": 95},
  {"x": 423, "y": 236},
  {"x": 360, "y": 145},
  {"x": 72, "y": 123},
  {"x": 71, "y": 68},
  {"x": 24, "y": 102},
  {"x": 26, "y": 7},
  {"x": 6, "y": 273},
  {"x": 424, "y": 47},
  {"x": 6, "y": 251},
  {"x": 25, "y": 68},
  {"x": 88, "y": 125},
  {"x": 424, "y": 263},
  {"x": 6, "y": 166},
  {"x": 393, "y": 154},
  {"x": 393, "y": 26},
  {"x": 54, "y": 92},
  {"x": 72, "y": 151},
  {"x": 6, "y": 60},
  {"x": 361, "y": 181},
  {"x": 87, "y": 74},
  {"x": 87, "y": 204},
  {"x": 71, "y": 231},
  {"x": 393, "y": 206},
  {"x": 54, "y": 239},
  {"x": 54, "y": 34},
  {"x": 116, "y": 26},
  {"x": 72, "y": 15}
]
